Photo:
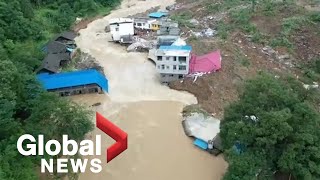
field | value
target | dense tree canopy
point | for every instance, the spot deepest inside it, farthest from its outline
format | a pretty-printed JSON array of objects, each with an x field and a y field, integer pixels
[
  {"x": 276, "y": 123},
  {"x": 25, "y": 25}
]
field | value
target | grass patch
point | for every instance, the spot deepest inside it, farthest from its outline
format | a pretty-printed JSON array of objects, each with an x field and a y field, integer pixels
[
  {"x": 213, "y": 7},
  {"x": 224, "y": 29},
  {"x": 183, "y": 19},
  {"x": 241, "y": 58}
]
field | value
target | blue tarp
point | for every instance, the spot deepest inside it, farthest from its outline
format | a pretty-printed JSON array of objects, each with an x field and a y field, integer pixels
[
  {"x": 70, "y": 79},
  {"x": 201, "y": 144},
  {"x": 158, "y": 14},
  {"x": 185, "y": 48}
]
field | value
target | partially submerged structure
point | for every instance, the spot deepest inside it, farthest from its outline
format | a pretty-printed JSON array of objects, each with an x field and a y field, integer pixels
[
  {"x": 122, "y": 29},
  {"x": 73, "y": 83},
  {"x": 205, "y": 129},
  {"x": 172, "y": 62}
]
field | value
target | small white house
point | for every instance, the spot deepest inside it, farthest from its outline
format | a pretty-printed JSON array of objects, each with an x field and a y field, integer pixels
[
  {"x": 144, "y": 23},
  {"x": 121, "y": 29}
]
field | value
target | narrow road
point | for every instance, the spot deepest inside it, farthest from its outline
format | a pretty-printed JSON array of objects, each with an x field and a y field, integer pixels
[{"x": 147, "y": 110}]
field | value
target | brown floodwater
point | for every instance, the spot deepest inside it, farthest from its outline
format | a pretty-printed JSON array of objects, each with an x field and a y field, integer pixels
[{"x": 149, "y": 112}]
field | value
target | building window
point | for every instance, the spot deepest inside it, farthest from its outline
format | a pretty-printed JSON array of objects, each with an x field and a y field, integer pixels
[
  {"x": 168, "y": 67},
  {"x": 159, "y": 58},
  {"x": 171, "y": 75},
  {"x": 180, "y": 76},
  {"x": 162, "y": 66},
  {"x": 144, "y": 24},
  {"x": 117, "y": 29},
  {"x": 174, "y": 67},
  {"x": 139, "y": 24},
  {"x": 174, "y": 58},
  {"x": 167, "y": 58},
  {"x": 182, "y": 60},
  {"x": 182, "y": 67}
]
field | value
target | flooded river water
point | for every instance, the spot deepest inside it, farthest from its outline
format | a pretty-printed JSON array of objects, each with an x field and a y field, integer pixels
[{"x": 149, "y": 112}]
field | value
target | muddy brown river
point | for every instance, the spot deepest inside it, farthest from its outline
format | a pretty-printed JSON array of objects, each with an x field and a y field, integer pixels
[{"x": 149, "y": 112}]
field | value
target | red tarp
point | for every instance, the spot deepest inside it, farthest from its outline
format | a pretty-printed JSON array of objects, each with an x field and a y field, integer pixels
[{"x": 207, "y": 63}]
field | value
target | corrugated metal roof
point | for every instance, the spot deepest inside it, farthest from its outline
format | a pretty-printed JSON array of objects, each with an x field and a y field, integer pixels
[
  {"x": 184, "y": 48},
  {"x": 67, "y": 35},
  {"x": 52, "y": 62},
  {"x": 158, "y": 14},
  {"x": 76, "y": 78}
]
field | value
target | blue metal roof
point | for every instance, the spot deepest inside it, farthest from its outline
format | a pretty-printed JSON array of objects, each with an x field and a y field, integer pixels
[
  {"x": 185, "y": 48},
  {"x": 76, "y": 78},
  {"x": 157, "y": 14}
]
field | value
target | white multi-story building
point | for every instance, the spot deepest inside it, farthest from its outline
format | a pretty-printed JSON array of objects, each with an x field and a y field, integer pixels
[
  {"x": 121, "y": 29},
  {"x": 172, "y": 62}
]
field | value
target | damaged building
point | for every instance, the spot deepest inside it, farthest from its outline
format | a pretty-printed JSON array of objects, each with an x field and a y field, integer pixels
[{"x": 172, "y": 62}]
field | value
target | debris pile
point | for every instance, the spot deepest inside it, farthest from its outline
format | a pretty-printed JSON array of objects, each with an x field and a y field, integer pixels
[
  {"x": 284, "y": 59},
  {"x": 140, "y": 45},
  {"x": 205, "y": 33},
  {"x": 86, "y": 61},
  {"x": 174, "y": 7}
]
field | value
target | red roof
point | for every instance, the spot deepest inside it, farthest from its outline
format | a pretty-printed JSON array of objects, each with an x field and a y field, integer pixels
[{"x": 207, "y": 63}]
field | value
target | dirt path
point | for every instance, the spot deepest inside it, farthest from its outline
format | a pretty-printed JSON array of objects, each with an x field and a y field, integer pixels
[{"x": 148, "y": 111}]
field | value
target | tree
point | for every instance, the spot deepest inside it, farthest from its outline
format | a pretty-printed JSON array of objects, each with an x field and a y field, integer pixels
[
  {"x": 25, "y": 107},
  {"x": 275, "y": 120},
  {"x": 56, "y": 117}
]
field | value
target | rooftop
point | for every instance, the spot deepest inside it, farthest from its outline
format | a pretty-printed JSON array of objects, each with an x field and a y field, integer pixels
[
  {"x": 120, "y": 20},
  {"x": 178, "y": 48},
  {"x": 158, "y": 14},
  {"x": 52, "y": 62},
  {"x": 67, "y": 35},
  {"x": 71, "y": 79},
  {"x": 144, "y": 19}
]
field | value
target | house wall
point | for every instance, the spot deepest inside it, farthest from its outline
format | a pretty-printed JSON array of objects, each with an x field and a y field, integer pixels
[
  {"x": 70, "y": 91},
  {"x": 166, "y": 78},
  {"x": 173, "y": 64},
  {"x": 122, "y": 29},
  {"x": 142, "y": 24}
]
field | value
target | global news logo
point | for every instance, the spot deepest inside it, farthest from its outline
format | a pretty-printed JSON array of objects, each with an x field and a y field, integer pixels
[{"x": 70, "y": 147}]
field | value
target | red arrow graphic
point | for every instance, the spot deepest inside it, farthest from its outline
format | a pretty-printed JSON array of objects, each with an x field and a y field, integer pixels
[{"x": 115, "y": 133}]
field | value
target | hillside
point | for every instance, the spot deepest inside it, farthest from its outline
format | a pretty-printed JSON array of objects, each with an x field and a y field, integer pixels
[{"x": 281, "y": 38}]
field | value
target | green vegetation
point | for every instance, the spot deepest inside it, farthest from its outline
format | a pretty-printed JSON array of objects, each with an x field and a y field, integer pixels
[
  {"x": 285, "y": 136},
  {"x": 25, "y": 26},
  {"x": 241, "y": 14},
  {"x": 183, "y": 19}
]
